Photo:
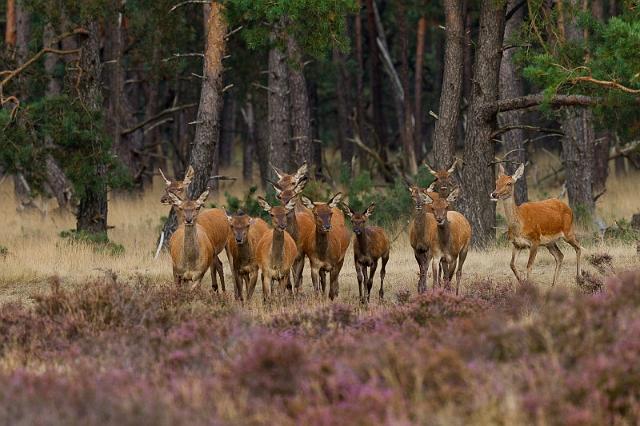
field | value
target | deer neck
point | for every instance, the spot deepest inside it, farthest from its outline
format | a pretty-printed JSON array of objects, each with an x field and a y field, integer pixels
[
  {"x": 277, "y": 247},
  {"x": 322, "y": 243},
  {"x": 244, "y": 251},
  {"x": 511, "y": 215},
  {"x": 362, "y": 241},
  {"x": 190, "y": 247},
  {"x": 444, "y": 233},
  {"x": 420, "y": 222},
  {"x": 292, "y": 226}
]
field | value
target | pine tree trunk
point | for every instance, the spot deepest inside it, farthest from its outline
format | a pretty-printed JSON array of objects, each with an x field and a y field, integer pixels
[
  {"x": 10, "y": 26},
  {"x": 300, "y": 113},
  {"x": 603, "y": 137},
  {"x": 512, "y": 86},
  {"x": 477, "y": 175},
  {"x": 449, "y": 111},
  {"x": 278, "y": 110},
  {"x": 316, "y": 148},
  {"x": 249, "y": 141},
  {"x": 228, "y": 129},
  {"x": 343, "y": 87},
  {"x": 417, "y": 91},
  {"x": 23, "y": 31},
  {"x": 93, "y": 209},
  {"x": 361, "y": 121},
  {"x": 375, "y": 75},
  {"x": 205, "y": 143}
]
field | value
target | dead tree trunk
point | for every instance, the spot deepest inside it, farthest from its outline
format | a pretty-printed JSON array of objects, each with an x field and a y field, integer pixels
[
  {"x": 512, "y": 86},
  {"x": 477, "y": 175},
  {"x": 301, "y": 137},
  {"x": 444, "y": 143},
  {"x": 205, "y": 143},
  {"x": 278, "y": 110},
  {"x": 93, "y": 209},
  {"x": 417, "y": 87}
]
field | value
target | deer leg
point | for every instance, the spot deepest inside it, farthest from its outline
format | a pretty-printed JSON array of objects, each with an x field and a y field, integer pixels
[
  {"x": 533, "y": 251},
  {"x": 315, "y": 278},
  {"x": 334, "y": 285},
  {"x": 266, "y": 287},
  {"x": 214, "y": 269},
  {"x": 423, "y": 264},
  {"x": 571, "y": 239},
  {"x": 514, "y": 256},
  {"x": 372, "y": 272},
  {"x": 462, "y": 256},
  {"x": 221, "y": 274},
  {"x": 298, "y": 266},
  {"x": 252, "y": 279},
  {"x": 323, "y": 281},
  {"x": 435, "y": 266},
  {"x": 559, "y": 257},
  {"x": 383, "y": 272},
  {"x": 360, "y": 277}
]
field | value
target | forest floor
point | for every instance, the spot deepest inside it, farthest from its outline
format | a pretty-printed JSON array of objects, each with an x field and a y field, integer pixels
[{"x": 94, "y": 338}]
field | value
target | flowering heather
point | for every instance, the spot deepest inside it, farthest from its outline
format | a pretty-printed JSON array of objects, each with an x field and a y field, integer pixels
[{"x": 116, "y": 352}]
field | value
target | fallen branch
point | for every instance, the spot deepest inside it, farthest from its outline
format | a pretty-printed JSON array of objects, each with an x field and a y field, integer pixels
[{"x": 157, "y": 117}]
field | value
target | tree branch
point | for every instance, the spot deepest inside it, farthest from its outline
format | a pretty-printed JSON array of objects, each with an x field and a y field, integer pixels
[
  {"x": 505, "y": 129},
  {"x": 605, "y": 83},
  {"x": 189, "y": 2},
  {"x": 537, "y": 99},
  {"x": 158, "y": 116},
  {"x": 383, "y": 166}
]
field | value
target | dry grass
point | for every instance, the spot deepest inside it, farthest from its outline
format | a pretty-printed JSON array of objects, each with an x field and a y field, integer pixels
[{"x": 36, "y": 252}]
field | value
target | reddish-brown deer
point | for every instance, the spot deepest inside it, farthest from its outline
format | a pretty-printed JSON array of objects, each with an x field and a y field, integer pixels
[
  {"x": 451, "y": 240},
  {"x": 276, "y": 249},
  {"x": 445, "y": 182},
  {"x": 214, "y": 221},
  {"x": 535, "y": 224},
  {"x": 369, "y": 245},
  {"x": 246, "y": 232},
  {"x": 330, "y": 242},
  {"x": 190, "y": 247},
  {"x": 421, "y": 228}
]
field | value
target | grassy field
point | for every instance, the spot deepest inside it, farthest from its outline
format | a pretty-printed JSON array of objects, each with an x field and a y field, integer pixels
[{"x": 88, "y": 338}]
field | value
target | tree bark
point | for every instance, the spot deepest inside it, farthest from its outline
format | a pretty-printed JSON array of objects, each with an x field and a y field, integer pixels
[
  {"x": 603, "y": 137},
  {"x": 512, "y": 86},
  {"x": 228, "y": 129},
  {"x": 375, "y": 74},
  {"x": 477, "y": 175},
  {"x": 361, "y": 121},
  {"x": 316, "y": 148},
  {"x": 417, "y": 87},
  {"x": 444, "y": 143},
  {"x": 249, "y": 141},
  {"x": 343, "y": 87},
  {"x": 10, "y": 26},
  {"x": 278, "y": 110},
  {"x": 407, "y": 131},
  {"x": 93, "y": 208},
  {"x": 301, "y": 137},
  {"x": 205, "y": 143}
]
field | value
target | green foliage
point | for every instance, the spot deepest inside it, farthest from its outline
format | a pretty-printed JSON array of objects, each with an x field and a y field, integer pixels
[
  {"x": 4, "y": 251},
  {"x": 99, "y": 242},
  {"x": 249, "y": 204},
  {"x": 622, "y": 231}
]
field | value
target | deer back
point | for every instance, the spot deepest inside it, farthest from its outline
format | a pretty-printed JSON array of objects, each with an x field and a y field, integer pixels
[
  {"x": 540, "y": 219},
  {"x": 216, "y": 225}
]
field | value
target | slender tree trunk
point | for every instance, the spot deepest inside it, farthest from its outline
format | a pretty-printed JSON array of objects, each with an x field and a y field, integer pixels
[
  {"x": 361, "y": 121},
  {"x": 477, "y": 175},
  {"x": 512, "y": 86},
  {"x": 343, "y": 88},
  {"x": 417, "y": 88},
  {"x": 228, "y": 129},
  {"x": 279, "y": 120},
  {"x": 205, "y": 143},
  {"x": 262, "y": 142},
  {"x": 603, "y": 137},
  {"x": 407, "y": 131},
  {"x": 23, "y": 31},
  {"x": 468, "y": 67},
  {"x": 449, "y": 112},
  {"x": 10, "y": 28},
  {"x": 93, "y": 209},
  {"x": 300, "y": 113},
  {"x": 315, "y": 131},
  {"x": 375, "y": 75},
  {"x": 249, "y": 141}
]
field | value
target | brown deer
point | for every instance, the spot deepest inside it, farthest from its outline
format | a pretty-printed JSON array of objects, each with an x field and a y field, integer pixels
[
  {"x": 190, "y": 247},
  {"x": 329, "y": 244},
  {"x": 451, "y": 240},
  {"x": 535, "y": 224},
  {"x": 370, "y": 244},
  {"x": 276, "y": 249},
  {"x": 214, "y": 221},
  {"x": 445, "y": 182},
  {"x": 246, "y": 232},
  {"x": 301, "y": 227},
  {"x": 421, "y": 229}
]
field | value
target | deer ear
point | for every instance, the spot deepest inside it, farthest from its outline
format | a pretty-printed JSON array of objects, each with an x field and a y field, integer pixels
[
  {"x": 453, "y": 166},
  {"x": 348, "y": 211},
  {"x": 335, "y": 200},
  {"x": 291, "y": 204},
  {"x": 203, "y": 197},
  {"x": 174, "y": 199},
  {"x": 432, "y": 187},
  {"x": 454, "y": 195},
  {"x": 307, "y": 203},
  {"x": 188, "y": 176},
  {"x": 501, "y": 169},
  {"x": 301, "y": 172},
  {"x": 519, "y": 172},
  {"x": 426, "y": 198},
  {"x": 264, "y": 204},
  {"x": 166, "y": 181},
  {"x": 300, "y": 185},
  {"x": 252, "y": 221},
  {"x": 370, "y": 210},
  {"x": 278, "y": 172},
  {"x": 433, "y": 172}
]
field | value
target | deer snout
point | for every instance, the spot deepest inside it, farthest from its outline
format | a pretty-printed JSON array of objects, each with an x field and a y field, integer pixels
[{"x": 493, "y": 196}]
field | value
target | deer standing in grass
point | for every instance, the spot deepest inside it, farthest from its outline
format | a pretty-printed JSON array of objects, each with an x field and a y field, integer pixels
[
  {"x": 214, "y": 222},
  {"x": 421, "y": 228},
  {"x": 301, "y": 227},
  {"x": 330, "y": 242},
  {"x": 451, "y": 240},
  {"x": 535, "y": 224},
  {"x": 276, "y": 249},
  {"x": 190, "y": 247},
  {"x": 370, "y": 244},
  {"x": 246, "y": 232}
]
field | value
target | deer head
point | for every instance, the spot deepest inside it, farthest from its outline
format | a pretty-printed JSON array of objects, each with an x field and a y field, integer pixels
[
  {"x": 440, "y": 205},
  {"x": 444, "y": 183},
  {"x": 359, "y": 220},
  {"x": 177, "y": 188},
  {"x": 323, "y": 212},
  {"x": 278, "y": 213},
  {"x": 287, "y": 195},
  {"x": 189, "y": 208},
  {"x": 289, "y": 181},
  {"x": 505, "y": 183},
  {"x": 240, "y": 223}
]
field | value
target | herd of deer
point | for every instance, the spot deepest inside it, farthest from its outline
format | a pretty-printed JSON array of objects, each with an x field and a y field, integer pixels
[{"x": 317, "y": 230}]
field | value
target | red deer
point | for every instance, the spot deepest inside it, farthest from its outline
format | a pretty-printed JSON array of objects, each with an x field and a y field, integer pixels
[
  {"x": 190, "y": 247},
  {"x": 301, "y": 227},
  {"x": 421, "y": 228},
  {"x": 246, "y": 232},
  {"x": 276, "y": 250},
  {"x": 330, "y": 243},
  {"x": 370, "y": 244},
  {"x": 214, "y": 221},
  {"x": 445, "y": 182},
  {"x": 451, "y": 240},
  {"x": 533, "y": 224}
]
